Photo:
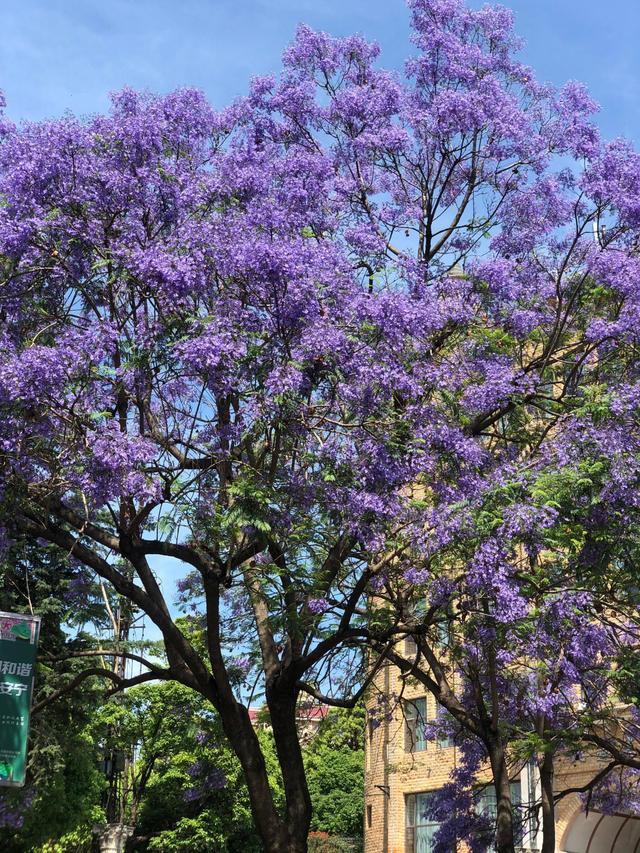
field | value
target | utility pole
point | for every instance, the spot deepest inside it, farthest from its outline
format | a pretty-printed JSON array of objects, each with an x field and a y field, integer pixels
[{"x": 116, "y": 762}]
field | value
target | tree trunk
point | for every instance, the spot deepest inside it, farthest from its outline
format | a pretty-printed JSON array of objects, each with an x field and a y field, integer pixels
[
  {"x": 278, "y": 833},
  {"x": 548, "y": 804},
  {"x": 272, "y": 828},
  {"x": 282, "y": 709},
  {"x": 504, "y": 817}
]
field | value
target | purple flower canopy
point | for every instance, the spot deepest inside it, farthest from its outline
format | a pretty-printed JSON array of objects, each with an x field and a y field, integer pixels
[
  {"x": 182, "y": 256},
  {"x": 356, "y": 332}
]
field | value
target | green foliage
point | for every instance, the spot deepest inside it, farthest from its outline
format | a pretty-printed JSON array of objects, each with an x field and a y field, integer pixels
[
  {"x": 79, "y": 840},
  {"x": 334, "y": 763},
  {"x": 63, "y": 774},
  {"x": 171, "y": 736},
  {"x": 626, "y": 677},
  {"x": 179, "y": 746}
]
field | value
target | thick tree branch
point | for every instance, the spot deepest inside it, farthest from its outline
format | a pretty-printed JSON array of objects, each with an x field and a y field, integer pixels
[
  {"x": 121, "y": 684},
  {"x": 193, "y": 670}
]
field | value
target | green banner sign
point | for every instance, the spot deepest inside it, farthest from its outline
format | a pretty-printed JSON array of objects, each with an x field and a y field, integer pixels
[{"x": 18, "y": 646}]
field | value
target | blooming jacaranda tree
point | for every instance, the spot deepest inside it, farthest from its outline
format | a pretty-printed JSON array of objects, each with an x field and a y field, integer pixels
[
  {"x": 306, "y": 345},
  {"x": 545, "y": 686}
]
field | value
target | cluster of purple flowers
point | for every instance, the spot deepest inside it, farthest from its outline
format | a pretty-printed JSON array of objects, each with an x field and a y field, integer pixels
[{"x": 356, "y": 333}]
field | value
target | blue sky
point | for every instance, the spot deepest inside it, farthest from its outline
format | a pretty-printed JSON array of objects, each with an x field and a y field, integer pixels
[{"x": 58, "y": 55}]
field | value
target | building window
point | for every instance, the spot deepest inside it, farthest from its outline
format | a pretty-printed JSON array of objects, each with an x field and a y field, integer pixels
[
  {"x": 415, "y": 714},
  {"x": 420, "y": 829},
  {"x": 443, "y": 633},
  {"x": 487, "y": 805},
  {"x": 439, "y": 634},
  {"x": 370, "y": 730},
  {"x": 369, "y": 816},
  {"x": 417, "y": 613},
  {"x": 530, "y": 814}
]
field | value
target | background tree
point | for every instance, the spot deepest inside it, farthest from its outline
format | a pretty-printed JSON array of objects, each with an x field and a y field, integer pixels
[
  {"x": 184, "y": 788},
  {"x": 334, "y": 763},
  {"x": 234, "y": 340},
  {"x": 64, "y": 783}
]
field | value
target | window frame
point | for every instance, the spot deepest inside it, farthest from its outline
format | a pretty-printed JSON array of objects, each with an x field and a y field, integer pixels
[
  {"x": 411, "y": 801},
  {"x": 413, "y": 716},
  {"x": 515, "y": 785}
]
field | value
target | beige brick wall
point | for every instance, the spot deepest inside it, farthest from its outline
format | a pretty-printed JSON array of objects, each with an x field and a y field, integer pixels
[
  {"x": 392, "y": 772},
  {"x": 387, "y": 782}
]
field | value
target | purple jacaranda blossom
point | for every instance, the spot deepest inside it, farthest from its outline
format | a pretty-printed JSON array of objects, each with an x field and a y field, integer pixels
[
  {"x": 318, "y": 605},
  {"x": 415, "y": 575},
  {"x": 360, "y": 336},
  {"x": 209, "y": 779},
  {"x": 13, "y": 810},
  {"x": 78, "y": 591}
]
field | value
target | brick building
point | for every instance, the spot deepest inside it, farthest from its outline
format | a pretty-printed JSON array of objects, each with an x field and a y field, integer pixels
[
  {"x": 309, "y": 716},
  {"x": 402, "y": 769}
]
